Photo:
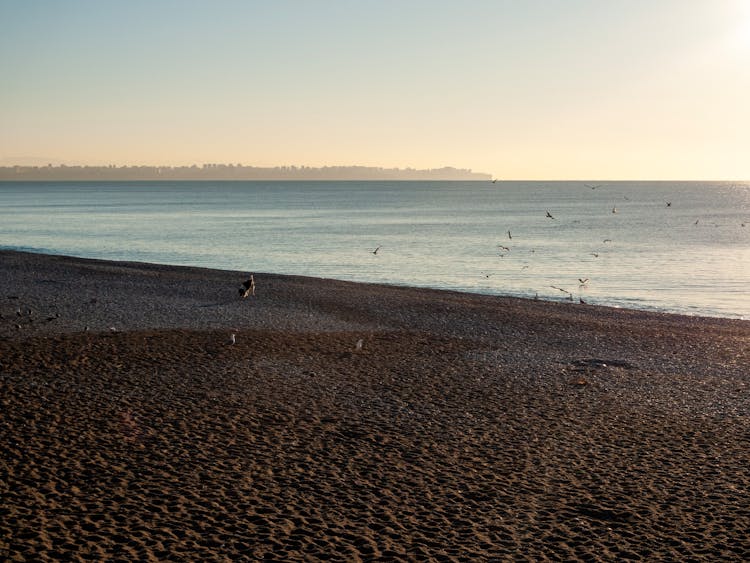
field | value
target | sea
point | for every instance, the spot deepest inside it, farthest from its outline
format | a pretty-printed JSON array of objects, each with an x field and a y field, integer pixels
[{"x": 678, "y": 247}]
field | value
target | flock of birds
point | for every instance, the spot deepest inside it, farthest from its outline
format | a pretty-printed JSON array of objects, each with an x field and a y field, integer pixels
[
  {"x": 583, "y": 282},
  {"x": 26, "y": 317}
]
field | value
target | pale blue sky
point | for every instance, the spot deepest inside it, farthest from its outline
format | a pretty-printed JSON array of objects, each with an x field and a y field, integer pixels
[{"x": 619, "y": 89}]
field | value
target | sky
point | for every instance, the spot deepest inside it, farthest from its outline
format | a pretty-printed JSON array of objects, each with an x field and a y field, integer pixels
[{"x": 520, "y": 89}]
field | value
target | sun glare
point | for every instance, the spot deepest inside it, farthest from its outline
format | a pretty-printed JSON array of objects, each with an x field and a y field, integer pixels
[{"x": 741, "y": 37}]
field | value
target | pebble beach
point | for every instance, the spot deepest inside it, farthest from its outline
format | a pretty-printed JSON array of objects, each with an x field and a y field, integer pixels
[{"x": 359, "y": 422}]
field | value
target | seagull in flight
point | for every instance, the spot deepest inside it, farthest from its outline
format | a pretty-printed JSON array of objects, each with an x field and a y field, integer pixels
[
  {"x": 510, "y": 236},
  {"x": 607, "y": 240},
  {"x": 595, "y": 254},
  {"x": 570, "y": 295},
  {"x": 500, "y": 246},
  {"x": 549, "y": 215},
  {"x": 583, "y": 280},
  {"x": 376, "y": 250},
  {"x": 669, "y": 203},
  {"x": 593, "y": 187}
]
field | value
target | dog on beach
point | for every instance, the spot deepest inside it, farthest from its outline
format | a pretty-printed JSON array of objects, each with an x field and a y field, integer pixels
[{"x": 248, "y": 287}]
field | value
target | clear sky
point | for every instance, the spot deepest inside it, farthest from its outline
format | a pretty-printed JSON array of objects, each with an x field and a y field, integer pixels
[{"x": 521, "y": 89}]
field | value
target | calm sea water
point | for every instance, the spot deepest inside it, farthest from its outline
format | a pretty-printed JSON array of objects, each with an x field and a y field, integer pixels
[{"x": 691, "y": 256}]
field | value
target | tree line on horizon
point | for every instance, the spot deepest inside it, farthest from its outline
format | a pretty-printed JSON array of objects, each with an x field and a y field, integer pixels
[{"x": 232, "y": 172}]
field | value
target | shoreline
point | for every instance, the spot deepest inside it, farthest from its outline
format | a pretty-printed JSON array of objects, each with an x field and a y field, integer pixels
[
  {"x": 355, "y": 422},
  {"x": 176, "y": 272}
]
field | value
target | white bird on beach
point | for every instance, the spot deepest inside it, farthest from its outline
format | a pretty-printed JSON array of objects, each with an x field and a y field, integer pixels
[{"x": 232, "y": 338}]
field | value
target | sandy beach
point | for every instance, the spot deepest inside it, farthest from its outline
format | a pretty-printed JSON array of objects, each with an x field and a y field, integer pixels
[{"x": 357, "y": 422}]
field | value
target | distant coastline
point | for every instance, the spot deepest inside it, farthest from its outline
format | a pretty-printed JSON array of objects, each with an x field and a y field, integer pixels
[{"x": 232, "y": 172}]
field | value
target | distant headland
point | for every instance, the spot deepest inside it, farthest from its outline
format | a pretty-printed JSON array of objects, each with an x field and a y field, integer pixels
[{"x": 231, "y": 172}]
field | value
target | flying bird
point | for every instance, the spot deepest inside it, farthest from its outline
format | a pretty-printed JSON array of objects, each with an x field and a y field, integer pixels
[
  {"x": 595, "y": 254},
  {"x": 376, "y": 250},
  {"x": 549, "y": 215},
  {"x": 607, "y": 240},
  {"x": 248, "y": 287},
  {"x": 510, "y": 236},
  {"x": 503, "y": 247},
  {"x": 583, "y": 281},
  {"x": 570, "y": 295},
  {"x": 593, "y": 187},
  {"x": 669, "y": 203}
]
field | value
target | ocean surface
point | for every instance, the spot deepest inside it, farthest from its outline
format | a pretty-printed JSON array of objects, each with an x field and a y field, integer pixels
[{"x": 680, "y": 247}]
